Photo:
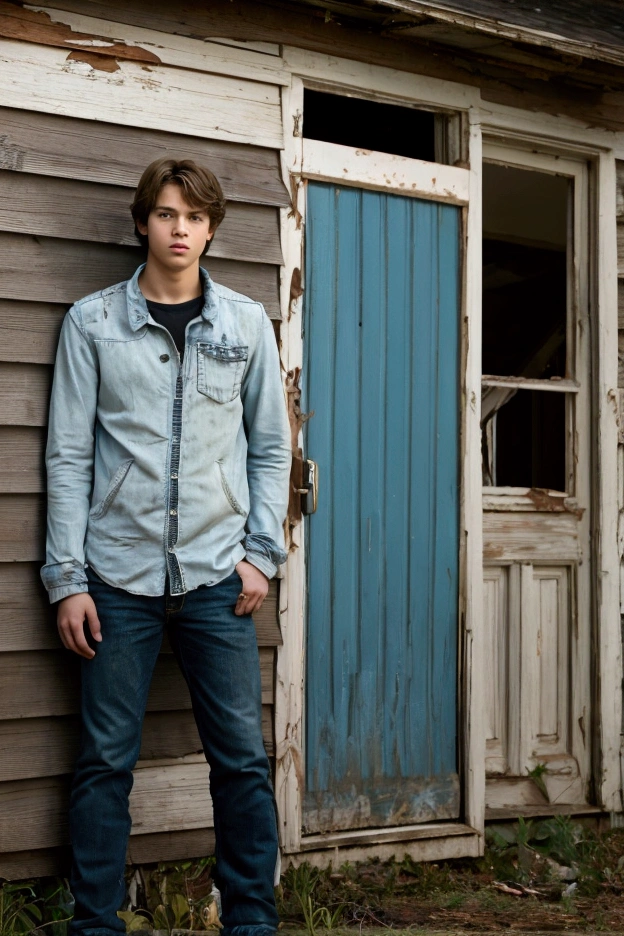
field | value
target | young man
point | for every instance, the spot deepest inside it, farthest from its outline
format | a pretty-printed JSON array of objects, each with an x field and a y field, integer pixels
[{"x": 168, "y": 460}]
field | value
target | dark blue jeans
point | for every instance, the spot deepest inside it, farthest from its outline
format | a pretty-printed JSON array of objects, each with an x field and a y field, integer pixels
[{"x": 218, "y": 655}]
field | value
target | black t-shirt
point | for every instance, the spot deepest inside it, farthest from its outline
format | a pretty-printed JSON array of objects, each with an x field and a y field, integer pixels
[{"x": 176, "y": 317}]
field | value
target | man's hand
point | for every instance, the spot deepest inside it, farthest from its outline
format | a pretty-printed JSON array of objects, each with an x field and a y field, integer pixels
[
  {"x": 254, "y": 590},
  {"x": 70, "y": 619}
]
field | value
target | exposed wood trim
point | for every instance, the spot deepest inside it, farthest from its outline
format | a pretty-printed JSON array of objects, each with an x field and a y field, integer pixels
[
  {"x": 609, "y": 644},
  {"x": 170, "y": 99},
  {"x": 367, "y": 169},
  {"x": 554, "y": 384},
  {"x": 518, "y": 126},
  {"x": 289, "y": 690},
  {"x": 430, "y": 830},
  {"x": 471, "y": 637},
  {"x": 468, "y": 845},
  {"x": 399, "y": 87},
  {"x": 167, "y": 48},
  {"x": 508, "y": 813}
]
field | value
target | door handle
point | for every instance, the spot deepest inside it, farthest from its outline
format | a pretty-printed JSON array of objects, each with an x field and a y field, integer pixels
[{"x": 309, "y": 489}]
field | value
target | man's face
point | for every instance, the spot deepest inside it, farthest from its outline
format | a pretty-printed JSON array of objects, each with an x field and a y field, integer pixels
[{"x": 177, "y": 232}]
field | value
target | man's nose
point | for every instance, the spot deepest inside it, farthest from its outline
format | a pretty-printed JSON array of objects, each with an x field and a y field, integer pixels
[{"x": 180, "y": 226}]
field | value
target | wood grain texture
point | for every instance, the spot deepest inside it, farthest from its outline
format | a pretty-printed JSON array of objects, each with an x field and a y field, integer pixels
[
  {"x": 36, "y": 685},
  {"x": 38, "y": 269},
  {"x": 88, "y": 211},
  {"x": 47, "y": 747},
  {"x": 27, "y": 622},
  {"x": 33, "y": 813},
  {"x": 176, "y": 100},
  {"x": 22, "y": 527},
  {"x": 620, "y": 303},
  {"x": 29, "y": 330},
  {"x": 170, "y": 846},
  {"x": 24, "y": 394},
  {"x": 142, "y": 849},
  {"x": 21, "y": 459},
  {"x": 500, "y": 81},
  {"x": 52, "y": 145}
]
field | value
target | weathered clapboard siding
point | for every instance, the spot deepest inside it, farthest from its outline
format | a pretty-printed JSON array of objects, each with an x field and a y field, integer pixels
[
  {"x": 168, "y": 99},
  {"x": 67, "y": 147},
  {"x": 66, "y": 184},
  {"x": 35, "y": 685},
  {"x": 163, "y": 799},
  {"x": 87, "y": 211},
  {"x": 27, "y": 621},
  {"x": 160, "y": 846},
  {"x": 48, "y": 269},
  {"x": 47, "y": 747},
  {"x": 29, "y": 330}
]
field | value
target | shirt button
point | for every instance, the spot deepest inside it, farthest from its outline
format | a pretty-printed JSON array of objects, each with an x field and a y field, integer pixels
[
  {"x": 173, "y": 513},
  {"x": 164, "y": 358},
  {"x": 171, "y": 549},
  {"x": 174, "y": 477}
]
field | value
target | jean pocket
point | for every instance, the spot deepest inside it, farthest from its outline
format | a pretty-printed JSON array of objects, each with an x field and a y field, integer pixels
[
  {"x": 220, "y": 370},
  {"x": 100, "y": 509}
]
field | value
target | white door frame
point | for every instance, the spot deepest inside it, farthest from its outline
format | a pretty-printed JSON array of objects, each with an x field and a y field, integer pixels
[{"x": 308, "y": 159}]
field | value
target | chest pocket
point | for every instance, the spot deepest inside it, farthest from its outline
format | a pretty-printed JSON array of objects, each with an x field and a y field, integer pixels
[{"x": 220, "y": 370}]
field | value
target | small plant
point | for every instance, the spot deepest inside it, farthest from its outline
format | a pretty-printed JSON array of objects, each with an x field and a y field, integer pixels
[
  {"x": 304, "y": 883},
  {"x": 35, "y": 907}
]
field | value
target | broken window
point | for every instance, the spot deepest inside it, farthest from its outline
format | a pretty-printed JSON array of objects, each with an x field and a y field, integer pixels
[
  {"x": 386, "y": 128},
  {"x": 526, "y": 379}
]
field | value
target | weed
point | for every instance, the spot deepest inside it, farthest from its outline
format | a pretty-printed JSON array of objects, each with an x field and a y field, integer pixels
[{"x": 42, "y": 907}]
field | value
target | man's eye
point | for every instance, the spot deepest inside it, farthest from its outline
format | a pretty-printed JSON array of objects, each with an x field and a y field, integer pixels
[{"x": 163, "y": 214}]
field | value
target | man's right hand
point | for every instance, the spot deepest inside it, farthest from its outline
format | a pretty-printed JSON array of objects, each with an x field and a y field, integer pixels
[{"x": 70, "y": 619}]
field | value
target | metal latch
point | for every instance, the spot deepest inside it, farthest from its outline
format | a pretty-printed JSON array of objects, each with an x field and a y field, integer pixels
[{"x": 309, "y": 490}]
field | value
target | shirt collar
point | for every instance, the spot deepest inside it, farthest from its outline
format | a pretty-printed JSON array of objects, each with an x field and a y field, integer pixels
[{"x": 137, "y": 306}]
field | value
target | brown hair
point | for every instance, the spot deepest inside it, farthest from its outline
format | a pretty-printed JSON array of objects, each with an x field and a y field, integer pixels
[{"x": 199, "y": 185}]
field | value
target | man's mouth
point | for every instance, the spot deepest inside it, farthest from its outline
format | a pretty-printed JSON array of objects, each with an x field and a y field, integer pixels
[{"x": 179, "y": 247}]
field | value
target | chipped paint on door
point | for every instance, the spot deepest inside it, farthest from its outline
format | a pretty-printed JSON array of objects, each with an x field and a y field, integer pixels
[{"x": 381, "y": 331}]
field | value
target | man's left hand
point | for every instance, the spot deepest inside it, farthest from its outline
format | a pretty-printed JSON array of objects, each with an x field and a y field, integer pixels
[{"x": 254, "y": 589}]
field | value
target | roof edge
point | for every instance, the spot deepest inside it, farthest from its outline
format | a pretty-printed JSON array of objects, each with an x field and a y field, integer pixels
[{"x": 511, "y": 31}]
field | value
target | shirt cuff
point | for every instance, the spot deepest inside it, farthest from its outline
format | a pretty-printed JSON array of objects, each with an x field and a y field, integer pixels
[
  {"x": 64, "y": 591},
  {"x": 264, "y": 553}
]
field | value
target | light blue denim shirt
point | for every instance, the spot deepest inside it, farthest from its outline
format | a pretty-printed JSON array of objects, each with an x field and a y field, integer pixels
[{"x": 157, "y": 467}]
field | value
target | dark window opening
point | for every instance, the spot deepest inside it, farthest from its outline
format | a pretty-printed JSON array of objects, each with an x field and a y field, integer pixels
[
  {"x": 525, "y": 274},
  {"x": 386, "y": 128}
]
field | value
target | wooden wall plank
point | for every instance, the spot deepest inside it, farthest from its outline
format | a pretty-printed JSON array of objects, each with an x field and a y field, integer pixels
[
  {"x": 46, "y": 684},
  {"x": 24, "y": 394},
  {"x": 53, "y": 270},
  {"x": 621, "y": 303},
  {"x": 33, "y": 813},
  {"x": 46, "y": 862},
  {"x": 29, "y": 330},
  {"x": 27, "y": 622},
  {"x": 52, "y": 145},
  {"x": 171, "y": 99},
  {"x": 142, "y": 849},
  {"x": 169, "y": 846},
  {"x": 22, "y": 525},
  {"x": 87, "y": 211},
  {"x": 47, "y": 747},
  {"x": 21, "y": 459},
  {"x": 65, "y": 30}
]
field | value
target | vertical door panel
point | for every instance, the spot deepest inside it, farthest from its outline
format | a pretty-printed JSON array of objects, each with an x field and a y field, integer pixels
[{"x": 381, "y": 331}]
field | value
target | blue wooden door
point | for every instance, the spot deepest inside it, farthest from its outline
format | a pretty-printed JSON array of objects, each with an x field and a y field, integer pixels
[{"x": 382, "y": 377}]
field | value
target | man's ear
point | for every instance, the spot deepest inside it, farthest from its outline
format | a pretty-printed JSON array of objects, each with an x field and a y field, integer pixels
[{"x": 141, "y": 228}]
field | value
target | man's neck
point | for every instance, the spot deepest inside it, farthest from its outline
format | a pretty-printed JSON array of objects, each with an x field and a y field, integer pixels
[{"x": 171, "y": 287}]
